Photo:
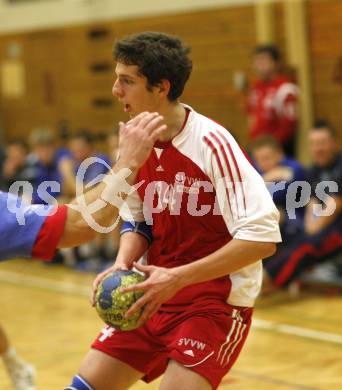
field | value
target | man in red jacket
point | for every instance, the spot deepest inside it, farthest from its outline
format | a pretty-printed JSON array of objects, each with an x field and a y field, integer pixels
[{"x": 272, "y": 100}]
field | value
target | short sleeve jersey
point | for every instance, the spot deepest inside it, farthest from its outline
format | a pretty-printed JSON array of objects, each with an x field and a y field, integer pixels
[
  {"x": 29, "y": 230},
  {"x": 199, "y": 191}
]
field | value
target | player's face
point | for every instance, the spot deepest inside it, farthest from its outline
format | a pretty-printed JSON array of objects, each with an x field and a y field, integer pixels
[
  {"x": 264, "y": 66},
  {"x": 131, "y": 89},
  {"x": 266, "y": 158},
  {"x": 322, "y": 146}
]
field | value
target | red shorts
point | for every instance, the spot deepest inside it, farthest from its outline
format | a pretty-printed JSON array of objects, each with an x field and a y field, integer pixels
[{"x": 207, "y": 340}]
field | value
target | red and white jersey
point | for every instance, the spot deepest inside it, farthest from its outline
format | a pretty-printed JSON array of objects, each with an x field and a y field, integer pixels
[
  {"x": 199, "y": 191},
  {"x": 272, "y": 106}
]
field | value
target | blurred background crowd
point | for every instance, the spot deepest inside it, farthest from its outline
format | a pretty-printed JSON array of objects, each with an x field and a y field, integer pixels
[
  {"x": 269, "y": 71},
  {"x": 45, "y": 159},
  {"x": 270, "y": 97}
]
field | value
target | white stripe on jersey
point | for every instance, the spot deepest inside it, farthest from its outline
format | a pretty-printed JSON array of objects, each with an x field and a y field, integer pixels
[
  {"x": 230, "y": 171},
  {"x": 224, "y": 174}
]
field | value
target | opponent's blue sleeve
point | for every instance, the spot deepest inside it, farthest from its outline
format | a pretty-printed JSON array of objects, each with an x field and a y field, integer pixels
[
  {"x": 138, "y": 227},
  {"x": 19, "y": 226}
]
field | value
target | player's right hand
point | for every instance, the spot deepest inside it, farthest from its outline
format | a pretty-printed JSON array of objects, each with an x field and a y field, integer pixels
[{"x": 117, "y": 266}]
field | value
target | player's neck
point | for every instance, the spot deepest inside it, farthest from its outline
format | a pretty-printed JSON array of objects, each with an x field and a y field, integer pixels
[{"x": 174, "y": 115}]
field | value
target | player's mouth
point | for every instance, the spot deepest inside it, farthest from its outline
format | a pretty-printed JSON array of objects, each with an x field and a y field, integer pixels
[{"x": 127, "y": 108}]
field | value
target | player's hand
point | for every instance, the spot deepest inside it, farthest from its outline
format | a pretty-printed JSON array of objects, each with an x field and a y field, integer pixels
[
  {"x": 160, "y": 286},
  {"x": 137, "y": 138},
  {"x": 117, "y": 266}
]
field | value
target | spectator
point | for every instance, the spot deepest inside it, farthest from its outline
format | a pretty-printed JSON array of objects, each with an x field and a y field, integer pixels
[
  {"x": 91, "y": 255},
  {"x": 272, "y": 100},
  {"x": 322, "y": 236},
  {"x": 275, "y": 167},
  {"x": 82, "y": 147},
  {"x": 16, "y": 166},
  {"x": 46, "y": 160}
]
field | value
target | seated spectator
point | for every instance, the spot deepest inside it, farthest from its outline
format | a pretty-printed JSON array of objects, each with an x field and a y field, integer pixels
[
  {"x": 322, "y": 236},
  {"x": 16, "y": 166},
  {"x": 275, "y": 167},
  {"x": 82, "y": 146},
  {"x": 46, "y": 158}
]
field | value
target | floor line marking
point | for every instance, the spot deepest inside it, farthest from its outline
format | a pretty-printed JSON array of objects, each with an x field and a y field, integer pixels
[
  {"x": 267, "y": 379},
  {"x": 297, "y": 331},
  {"x": 44, "y": 283}
]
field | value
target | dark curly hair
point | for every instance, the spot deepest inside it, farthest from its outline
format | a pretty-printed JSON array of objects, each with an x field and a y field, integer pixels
[{"x": 159, "y": 57}]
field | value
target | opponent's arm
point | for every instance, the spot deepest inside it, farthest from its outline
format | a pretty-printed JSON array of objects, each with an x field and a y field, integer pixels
[{"x": 136, "y": 142}]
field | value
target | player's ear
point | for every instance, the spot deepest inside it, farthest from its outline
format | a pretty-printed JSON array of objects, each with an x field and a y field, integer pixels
[{"x": 164, "y": 87}]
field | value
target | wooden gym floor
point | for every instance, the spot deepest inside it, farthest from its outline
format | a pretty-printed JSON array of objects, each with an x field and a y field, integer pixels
[{"x": 294, "y": 343}]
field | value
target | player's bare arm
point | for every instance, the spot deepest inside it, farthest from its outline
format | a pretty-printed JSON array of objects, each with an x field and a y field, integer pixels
[
  {"x": 163, "y": 283},
  {"x": 132, "y": 247},
  {"x": 137, "y": 138}
]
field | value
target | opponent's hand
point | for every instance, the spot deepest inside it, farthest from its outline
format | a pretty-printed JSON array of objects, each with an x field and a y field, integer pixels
[
  {"x": 117, "y": 266},
  {"x": 160, "y": 286},
  {"x": 137, "y": 138}
]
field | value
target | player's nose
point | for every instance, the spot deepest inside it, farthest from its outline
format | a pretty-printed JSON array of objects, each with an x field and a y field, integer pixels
[{"x": 117, "y": 91}]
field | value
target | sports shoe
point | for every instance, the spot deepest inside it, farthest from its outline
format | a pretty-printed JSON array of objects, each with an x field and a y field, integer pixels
[{"x": 22, "y": 374}]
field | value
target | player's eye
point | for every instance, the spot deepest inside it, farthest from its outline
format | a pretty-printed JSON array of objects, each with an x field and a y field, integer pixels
[{"x": 127, "y": 81}]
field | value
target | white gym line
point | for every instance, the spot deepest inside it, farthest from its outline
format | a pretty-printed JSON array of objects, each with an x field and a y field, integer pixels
[
  {"x": 44, "y": 283},
  {"x": 297, "y": 331},
  {"x": 74, "y": 289}
]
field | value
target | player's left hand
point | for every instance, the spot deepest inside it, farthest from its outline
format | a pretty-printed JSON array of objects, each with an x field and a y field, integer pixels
[{"x": 160, "y": 286}]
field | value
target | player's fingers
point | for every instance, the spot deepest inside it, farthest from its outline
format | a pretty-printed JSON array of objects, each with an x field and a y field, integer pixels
[
  {"x": 143, "y": 286},
  {"x": 156, "y": 133},
  {"x": 148, "y": 312},
  {"x": 95, "y": 285},
  {"x": 98, "y": 278},
  {"x": 136, "y": 120},
  {"x": 146, "y": 120},
  {"x": 153, "y": 124},
  {"x": 138, "y": 117},
  {"x": 143, "y": 267},
  {"x": 137, "y": 306},
  {"x": 122, "y": 128},
  {"x": 93, "y": 291}
]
